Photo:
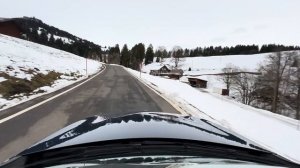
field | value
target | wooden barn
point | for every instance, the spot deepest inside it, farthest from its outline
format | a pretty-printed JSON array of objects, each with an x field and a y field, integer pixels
[
  {"x": 161, "y": 71},
  {"x": 10, "y": 28},
  {"x": 175, "y": 73},
  {"x": 198, "y": 82},
  {"x": 167, "y": 70},
  {"x": 221, "y": 91}
]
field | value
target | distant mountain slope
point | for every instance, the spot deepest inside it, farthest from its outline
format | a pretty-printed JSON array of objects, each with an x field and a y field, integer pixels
[
  {"x": 28, "y": 70},
  {"x": 35, "y": 30}
]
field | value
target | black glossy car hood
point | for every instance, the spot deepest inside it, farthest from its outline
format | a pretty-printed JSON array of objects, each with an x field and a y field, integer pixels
[{"x": 141, "y": 125}]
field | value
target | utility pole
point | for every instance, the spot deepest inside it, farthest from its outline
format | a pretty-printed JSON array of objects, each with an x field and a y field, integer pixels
[
  {"x": 86, "y": 66},
  {"x": 141, "y": 69},
  {"x": 103, "y": 55}
]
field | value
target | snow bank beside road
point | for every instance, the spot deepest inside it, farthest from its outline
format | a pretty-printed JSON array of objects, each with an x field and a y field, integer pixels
[
  {"x": 23, "y": 60},
  {"x": 276, "y": 133}
]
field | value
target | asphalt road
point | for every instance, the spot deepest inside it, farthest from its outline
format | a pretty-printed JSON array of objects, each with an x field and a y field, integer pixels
[{"x": 112, "y": 93}]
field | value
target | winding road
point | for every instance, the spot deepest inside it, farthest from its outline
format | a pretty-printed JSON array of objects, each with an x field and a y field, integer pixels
[{"x": 114, "y": 92}]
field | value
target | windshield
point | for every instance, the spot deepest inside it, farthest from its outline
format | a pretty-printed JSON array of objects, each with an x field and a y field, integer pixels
[{"x": 223, "y": 73}]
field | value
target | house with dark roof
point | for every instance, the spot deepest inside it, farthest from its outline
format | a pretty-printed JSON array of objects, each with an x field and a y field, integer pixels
[
  {"x": 10, "y": 28},
  {"x": 200, "y": 82},
  {"x": 167, "y": 70},
  {"x": 160, "y": 71}
]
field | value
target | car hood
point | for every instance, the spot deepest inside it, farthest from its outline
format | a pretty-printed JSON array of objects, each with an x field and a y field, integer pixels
[{"x": 141, "y": 125}]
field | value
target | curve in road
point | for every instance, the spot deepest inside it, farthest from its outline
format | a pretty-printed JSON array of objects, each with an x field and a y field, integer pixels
[{"x": 112, "y": 93}]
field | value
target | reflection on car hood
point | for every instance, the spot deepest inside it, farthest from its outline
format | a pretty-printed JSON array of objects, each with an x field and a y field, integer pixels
[
  {"x": 141, "y": 125},
  {"x": 160, "y": 162}
]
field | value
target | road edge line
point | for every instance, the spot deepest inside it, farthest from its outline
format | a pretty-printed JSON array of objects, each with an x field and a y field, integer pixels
[
  {"x": 178, "y": 108},
  {"x": 49, "y": 99}
]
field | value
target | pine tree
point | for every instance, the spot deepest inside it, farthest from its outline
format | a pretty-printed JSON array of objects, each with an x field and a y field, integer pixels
[
  {"x": 43, "y": 38},
  {"x": 164, "y": 54},
  {"x": 137, "y": 55},
  {"x": 114, "y": 54},
  {"x": 141, "y": 52},
  {"x": 157, "y": 59},
  {"x": 51, "y": 40},
  {"x": 149, "y": 55},
  {"x": 125, "y": 56},
  {"x": 177, "y": 54},
  {"x": 186, "y": 53}
]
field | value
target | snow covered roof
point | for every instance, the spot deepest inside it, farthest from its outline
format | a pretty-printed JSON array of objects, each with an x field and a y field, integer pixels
[
  {"x": 157, "y": 67},
  {"x": 199, "y": 77},
  {"x": 4, "y": 19},
  {"x": 169, "y": 66}
]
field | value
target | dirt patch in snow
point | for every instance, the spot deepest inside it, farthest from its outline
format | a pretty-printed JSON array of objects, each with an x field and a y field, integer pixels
[{"x": 14, "y": 87}]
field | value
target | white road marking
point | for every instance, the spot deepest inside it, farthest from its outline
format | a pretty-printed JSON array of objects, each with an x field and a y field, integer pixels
[
  {"x": 45, "y": 101},
  {"x": 179, "y": 109}
]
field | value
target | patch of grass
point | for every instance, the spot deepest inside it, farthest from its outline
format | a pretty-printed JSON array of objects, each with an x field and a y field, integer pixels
[
  {"x": 75, "y": 75},
  {"x": 4, "y": 75},
  {"x": 13, "y": 86},
  {"x": 28, "y": 71}
]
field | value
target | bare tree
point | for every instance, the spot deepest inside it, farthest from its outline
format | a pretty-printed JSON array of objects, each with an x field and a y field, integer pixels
[
  {"x": 274, "y": 73},
  {"x": 245, "y": 84},
  {"x": 298, "y": 93},
  {"x": 275, "y": 88},
  {"x": 228, "y": 73},
  {"x": 241, "y": 82},
  {"x": 162, "y": 53},
  {"x": 177, "y": 55},
  {"x": 295, "y": 83}
]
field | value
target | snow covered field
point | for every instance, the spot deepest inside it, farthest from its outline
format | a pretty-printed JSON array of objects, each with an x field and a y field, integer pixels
[
  {"x": 274, "y": 132},
  {"x": 206, "y": 66},
  {"x": 212, "y": 65},
  {"x": 23, "y": 59}
]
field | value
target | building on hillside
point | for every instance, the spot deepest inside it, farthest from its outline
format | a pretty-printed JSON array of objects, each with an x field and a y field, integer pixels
[
  {"x": 167, "y": 70},
  {"x": 10, "y": 28},
  {"x": 221, "y": 91},
  {"x": 160, "y": 71},
  {"x": 176, "y": 73},
  {"x": 200, "y": 82}
]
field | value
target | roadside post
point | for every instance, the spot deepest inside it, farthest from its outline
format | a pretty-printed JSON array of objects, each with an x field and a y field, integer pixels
[
  {"x": 141, "y": 65},
  {"x": 86, "y": 66}
]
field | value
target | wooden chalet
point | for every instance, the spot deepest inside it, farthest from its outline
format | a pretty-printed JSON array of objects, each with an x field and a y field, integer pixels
[
  {"x": 198, "y": 82},
  {"x": 161, "y": 71},
  {"x": 167, "y": 70},
  {"x": 10, "y": 28}
]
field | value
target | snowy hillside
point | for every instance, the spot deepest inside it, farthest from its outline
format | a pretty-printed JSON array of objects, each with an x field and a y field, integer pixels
[
  {"x": 274, "y": 132},
  {"x": 65, "y": 40},
  {"x": 213, "y": 64},
  {"x": 33, "y": 65},
  {"x": 211, "y": 70},
  {"x": 206, "y": 66}
]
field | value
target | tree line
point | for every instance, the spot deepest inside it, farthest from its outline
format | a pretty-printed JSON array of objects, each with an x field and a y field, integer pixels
[
  {"x": 35, "y": 30},
  {"x": 238, "y": 50},
  {"x": 131, "y": 58},
  {"x": 138, "y": 54}
]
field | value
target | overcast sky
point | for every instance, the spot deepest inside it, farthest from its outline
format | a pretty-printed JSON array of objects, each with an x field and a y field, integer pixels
[{"x": 187, "y": 23}]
